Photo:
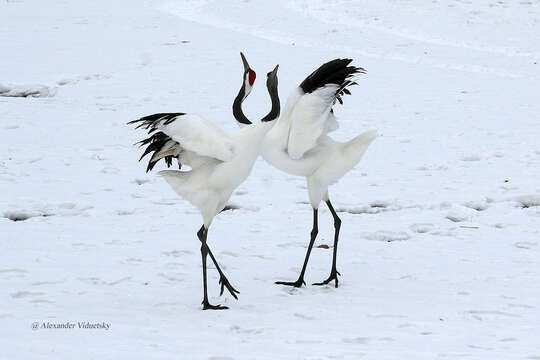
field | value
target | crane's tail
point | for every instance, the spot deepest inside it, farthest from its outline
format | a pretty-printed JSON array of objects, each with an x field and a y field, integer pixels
[
  {"x": 178, "y": 181},
  {"x": 355, "y": 148},
  {"x": 351, "y": 154},
  {"x": 159, "y": 143}
]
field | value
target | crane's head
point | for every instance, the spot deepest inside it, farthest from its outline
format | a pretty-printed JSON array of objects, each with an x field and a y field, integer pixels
[
  {"x": 271, "y": 79},
  {"x": 249, "y": 75}
]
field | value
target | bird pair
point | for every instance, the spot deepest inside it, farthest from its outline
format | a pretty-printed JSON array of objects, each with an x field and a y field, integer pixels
[{"x": 297, "y": 143}]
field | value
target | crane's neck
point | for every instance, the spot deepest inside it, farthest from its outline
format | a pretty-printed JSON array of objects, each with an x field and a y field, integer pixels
[
  {"x": 255, "y": 133},
  {"x": 276, "y": 107},
  {"x": 237, "y": 104},
  {"x": 252, "y": 137}
]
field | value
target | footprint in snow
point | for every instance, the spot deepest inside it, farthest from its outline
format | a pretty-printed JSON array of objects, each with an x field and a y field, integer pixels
[
  {"x": 133, "y": 261},
  {"x": 178, "y": 277},
  {"x": 457, "y": 217},
  {"x": 67, "y": 205},
  {"x": 21, "y": 215},
  {"x": 477, "y": 205},
  {"x": 110, "y": 170},
  {"x": 527, "y": 201},
  {"x": 422, "y": 228},
  {"x": 525, "y": 244},
  {"x": 303, "y": 316},
  {"x": 477, "y": 314},
  {"x": 471, "y": 157},
  {"x": 388, "y": 236},
  {"x": 357, "y": 340},
  {"x": 141, "y": 181},
  {"x": 176, "y": 253},
  {"x": 39, "y": 283},
  {"x": 229, "y": 253},
  {"x": 24, "y": 294},
  {"x": 374, "y": 207},
  {"x": 460, "y": 213},
  {"x": 99, "y": 281},
  {"x": 240, "y": 330},
  {"x": 13, "y": 272}
]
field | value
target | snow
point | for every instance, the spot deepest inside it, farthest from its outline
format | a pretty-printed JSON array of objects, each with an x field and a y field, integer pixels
[
  {"x": 439, "y": 245},
  {"x": 26, "y": 90}
]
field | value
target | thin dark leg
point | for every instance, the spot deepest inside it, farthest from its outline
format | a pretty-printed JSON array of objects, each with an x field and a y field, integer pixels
[
  {"x": 337, "y": 225},
  {"x": 314, "y": 232},
  {"x": 201, "y": 234},
  {"x": 223, "y": 281}
]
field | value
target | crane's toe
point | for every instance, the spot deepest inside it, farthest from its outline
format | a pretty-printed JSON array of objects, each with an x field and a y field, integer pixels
[
  {"x": 298, "y": 283},
  {"x": 225, "y": 284},
  {"x": 208, "y": 306},
  {"x": 333, "y": 276}
]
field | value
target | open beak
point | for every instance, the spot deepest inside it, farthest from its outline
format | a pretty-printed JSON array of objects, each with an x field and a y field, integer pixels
[{"x": 246, "y": 65}]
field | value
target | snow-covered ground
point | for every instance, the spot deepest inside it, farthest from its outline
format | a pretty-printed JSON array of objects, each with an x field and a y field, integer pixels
[{"x": 440, "y": 243}]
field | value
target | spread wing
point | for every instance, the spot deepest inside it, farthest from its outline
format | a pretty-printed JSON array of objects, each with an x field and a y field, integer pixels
[
  {"x": 188, "y": 138},
  {"x": 312, "y": 115}
]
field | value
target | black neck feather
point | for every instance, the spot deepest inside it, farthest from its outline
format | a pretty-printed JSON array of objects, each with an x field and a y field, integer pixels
[
  {"x": 237, "y": 106},
  {"x": 274, "y": 111}
]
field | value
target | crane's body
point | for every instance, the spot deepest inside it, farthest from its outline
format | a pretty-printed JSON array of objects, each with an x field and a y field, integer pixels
[
  {"x": 299, "y": 143},
  {"x": 322, "y": 165},
  {"x": 219, "y": 161},
  {"x": 210, "y": 183}
]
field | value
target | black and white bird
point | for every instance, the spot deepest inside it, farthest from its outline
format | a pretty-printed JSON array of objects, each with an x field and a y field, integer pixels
[
  {"x": 219, "y": 162},
  {"x": 299, "y": 144}
]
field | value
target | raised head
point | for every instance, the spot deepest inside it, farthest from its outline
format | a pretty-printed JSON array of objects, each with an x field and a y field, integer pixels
[
  {"x": 272, "y": 86},
  {"x": 245, "y": 89},
  {"x": 249, "y": 75},
  {"x": 272, "y": 80}
]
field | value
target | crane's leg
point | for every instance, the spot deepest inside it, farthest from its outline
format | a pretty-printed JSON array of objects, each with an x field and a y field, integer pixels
[
  {"x": 202, "y": 234},
  {"x": 314, "y": 232},
  {"x": 337, "y": 225}
]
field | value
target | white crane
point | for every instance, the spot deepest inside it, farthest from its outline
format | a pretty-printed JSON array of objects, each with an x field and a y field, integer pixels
[
  {"x": 219, "y": 162},
  {"x": 299, "y": 145}
]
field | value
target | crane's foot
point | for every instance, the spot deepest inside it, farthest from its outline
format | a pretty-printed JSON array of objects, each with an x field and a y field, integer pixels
[
  {"x": 298, "y": 283},
  {"x": 208, "y": 306},
  {"x": 333, "y": 276},
  {"x": 225, "y": 284}
]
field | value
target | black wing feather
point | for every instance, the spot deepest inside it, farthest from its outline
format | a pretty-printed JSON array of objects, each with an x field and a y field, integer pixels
[
  {"x": 336, "y": 72},
  {"x": 151, "y": 121},
  {"x": 157, "y": 141}
]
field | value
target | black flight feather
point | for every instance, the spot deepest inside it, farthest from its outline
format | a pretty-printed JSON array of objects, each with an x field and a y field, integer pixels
[
  {"x": 336, "y": 72},
  {"x": 157, "y": 141},
  {"x": 150, "y": 122}
]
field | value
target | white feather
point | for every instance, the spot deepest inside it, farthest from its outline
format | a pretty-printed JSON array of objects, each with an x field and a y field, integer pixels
[
  {"x": 311, "y": 118},
  {"x": 200, "y": 137}
]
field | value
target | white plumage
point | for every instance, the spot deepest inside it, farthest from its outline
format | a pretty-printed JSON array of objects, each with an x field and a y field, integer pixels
[
  {"x": 309, "y": 119},
  {"x": 220, "y": 162},
  {"x": 200, "y": 136}
]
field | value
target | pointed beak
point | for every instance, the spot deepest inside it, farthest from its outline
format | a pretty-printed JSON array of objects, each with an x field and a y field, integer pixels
[
  {"x": 246, "y": 65},
  {"x": 274, "y": 72}
]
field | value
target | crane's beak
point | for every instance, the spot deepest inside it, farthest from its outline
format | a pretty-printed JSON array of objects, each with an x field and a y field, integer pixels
[
  {"x": 246, "y": 65},
  {"x": 274, "y": 72}
]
